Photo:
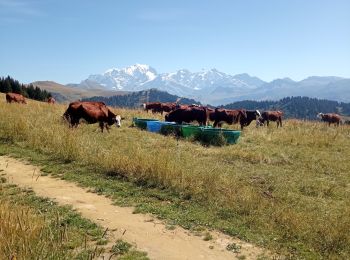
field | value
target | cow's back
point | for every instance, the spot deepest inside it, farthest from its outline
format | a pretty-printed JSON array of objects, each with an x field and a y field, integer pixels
[{"x": 14, "y": 97}]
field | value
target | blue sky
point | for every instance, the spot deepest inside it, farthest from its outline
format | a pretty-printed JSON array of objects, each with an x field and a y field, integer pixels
[{"x": 67, "y": 40}]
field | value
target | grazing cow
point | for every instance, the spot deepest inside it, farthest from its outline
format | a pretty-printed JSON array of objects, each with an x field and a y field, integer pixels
[
  {"x": 268, "y": 116},
  {"x": 51, "y": 100},
  {"x": 330, "y": 118},
  {"x": 16, "y": 98},
  {"x": 219, "y": 116},
  {"x": 251, "y": 115},
  {"x": 188, "y": 115},
  {"x": 153, "y": 106},
  {"x": 91, "y": 112}
]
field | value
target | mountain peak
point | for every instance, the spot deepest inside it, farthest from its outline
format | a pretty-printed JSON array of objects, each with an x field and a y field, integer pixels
[
  {"x": 208, "y": 85},
  {"x": 131, "y": 70}
]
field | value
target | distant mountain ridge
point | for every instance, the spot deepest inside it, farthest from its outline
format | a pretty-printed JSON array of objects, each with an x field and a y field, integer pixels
[
  {"x": 295, "y": 107},
  {"x": 215, "y": 87},
  {"x": 137, "y": 98}
]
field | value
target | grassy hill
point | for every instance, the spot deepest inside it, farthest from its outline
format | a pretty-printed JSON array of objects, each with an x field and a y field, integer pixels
[
  {"x": 64, "y": 93},
  {"x": 286, "y": 189}
]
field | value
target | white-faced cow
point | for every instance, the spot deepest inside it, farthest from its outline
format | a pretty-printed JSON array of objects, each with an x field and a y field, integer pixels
[
  {"x": 330, "y": 118},
  {"x": 51, "y": 100},
  {"x": 268, "y": 116},
  {"x": 91, "y": 112},
  {"x": 251, "y": 116}
]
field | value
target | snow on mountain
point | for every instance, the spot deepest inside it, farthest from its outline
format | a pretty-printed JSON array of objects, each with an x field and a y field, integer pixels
[
  {"x": 213, "y": 86},
  {"x": 182, "y": 82},
  {"x": 126, "y": 78}
]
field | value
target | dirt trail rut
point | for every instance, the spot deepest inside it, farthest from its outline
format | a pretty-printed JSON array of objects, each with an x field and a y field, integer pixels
[{"x": 149, "y": 236}]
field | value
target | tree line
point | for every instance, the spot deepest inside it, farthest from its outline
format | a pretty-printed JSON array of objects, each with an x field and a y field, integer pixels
[
  {"x": 295, "y": 107},
  {"x": 8, "y": 84},
  {"x": 136, "y": 99}
]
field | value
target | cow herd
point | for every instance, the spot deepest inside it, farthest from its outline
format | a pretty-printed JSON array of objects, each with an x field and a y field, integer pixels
[
  {"x": 98, "y": 112},
  {"x": 203, "y": 115}
]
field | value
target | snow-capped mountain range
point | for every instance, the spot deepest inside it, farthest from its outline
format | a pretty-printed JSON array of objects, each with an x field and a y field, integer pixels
[{"x": 215, "y": 87}]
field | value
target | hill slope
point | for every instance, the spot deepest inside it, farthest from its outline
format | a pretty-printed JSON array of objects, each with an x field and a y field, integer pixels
[
  {"x": 135, "y": 99},
  {"x": 64, "y": 93},
  {"x": 295, "y": 107}
]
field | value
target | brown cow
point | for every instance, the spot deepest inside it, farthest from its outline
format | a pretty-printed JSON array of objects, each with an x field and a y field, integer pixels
[
  {"x": 168, "y": 107},
  {"x": 153, "y": 106},
  {"x": 330, "y": 118},
  {"x": 14, "y": 97},
  {"x": 268, "y": 116},
  {"x": 51, "y": 100},
  {"x": 219, "y": 116},
  {"x": 91, "y": 112},
  {"x": 188, "y": 115}
]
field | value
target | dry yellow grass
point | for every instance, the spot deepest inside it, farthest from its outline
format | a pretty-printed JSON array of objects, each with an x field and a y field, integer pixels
[
  {"x": 35, "y": 228},
  {"x": 291, "y": 182},
  {"x": 24, "y": 234}
]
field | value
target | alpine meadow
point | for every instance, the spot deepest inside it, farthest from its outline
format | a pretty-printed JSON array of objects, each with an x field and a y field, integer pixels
[{"x": 285, "y": 189}]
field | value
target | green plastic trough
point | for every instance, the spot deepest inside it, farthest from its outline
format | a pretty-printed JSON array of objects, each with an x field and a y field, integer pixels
[
  {"x": 192, "y": 130},
  {"x": 171, "y": 129},
  {"x": 231, "y": 136}
]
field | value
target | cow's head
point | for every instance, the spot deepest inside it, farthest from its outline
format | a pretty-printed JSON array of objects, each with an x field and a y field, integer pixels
[
  {"x": 257, "y": 113},
  {"x": 320, "y": 115},
  {"x": 144, "y": 106},
  {"x": 118, "y": 121},
  {"x": 259, "y": 121}
]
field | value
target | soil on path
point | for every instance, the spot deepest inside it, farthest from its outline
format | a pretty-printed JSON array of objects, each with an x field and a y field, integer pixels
[{"x": 144, "y": 231}]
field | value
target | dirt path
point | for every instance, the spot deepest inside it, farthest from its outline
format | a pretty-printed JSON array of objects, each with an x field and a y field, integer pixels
[{"x": 149, "y": 235}]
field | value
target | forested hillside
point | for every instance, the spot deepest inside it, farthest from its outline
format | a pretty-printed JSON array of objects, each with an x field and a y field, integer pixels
[
  {"x": 295, "y": 107},
  {"x": 9, "y": 84},
  {"x": 135, "y": 99}
]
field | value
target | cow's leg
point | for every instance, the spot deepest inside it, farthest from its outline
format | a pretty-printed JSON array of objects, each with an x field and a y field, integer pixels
[
  {"x": 280, "y": 122},
  {"x": 217, "y": 124},
  {"x": 267, "y": 122},
  {"x": 101, "y": 124},
  {"x": 107, "y": 127},
  {"x": 74, "y": 123}
]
